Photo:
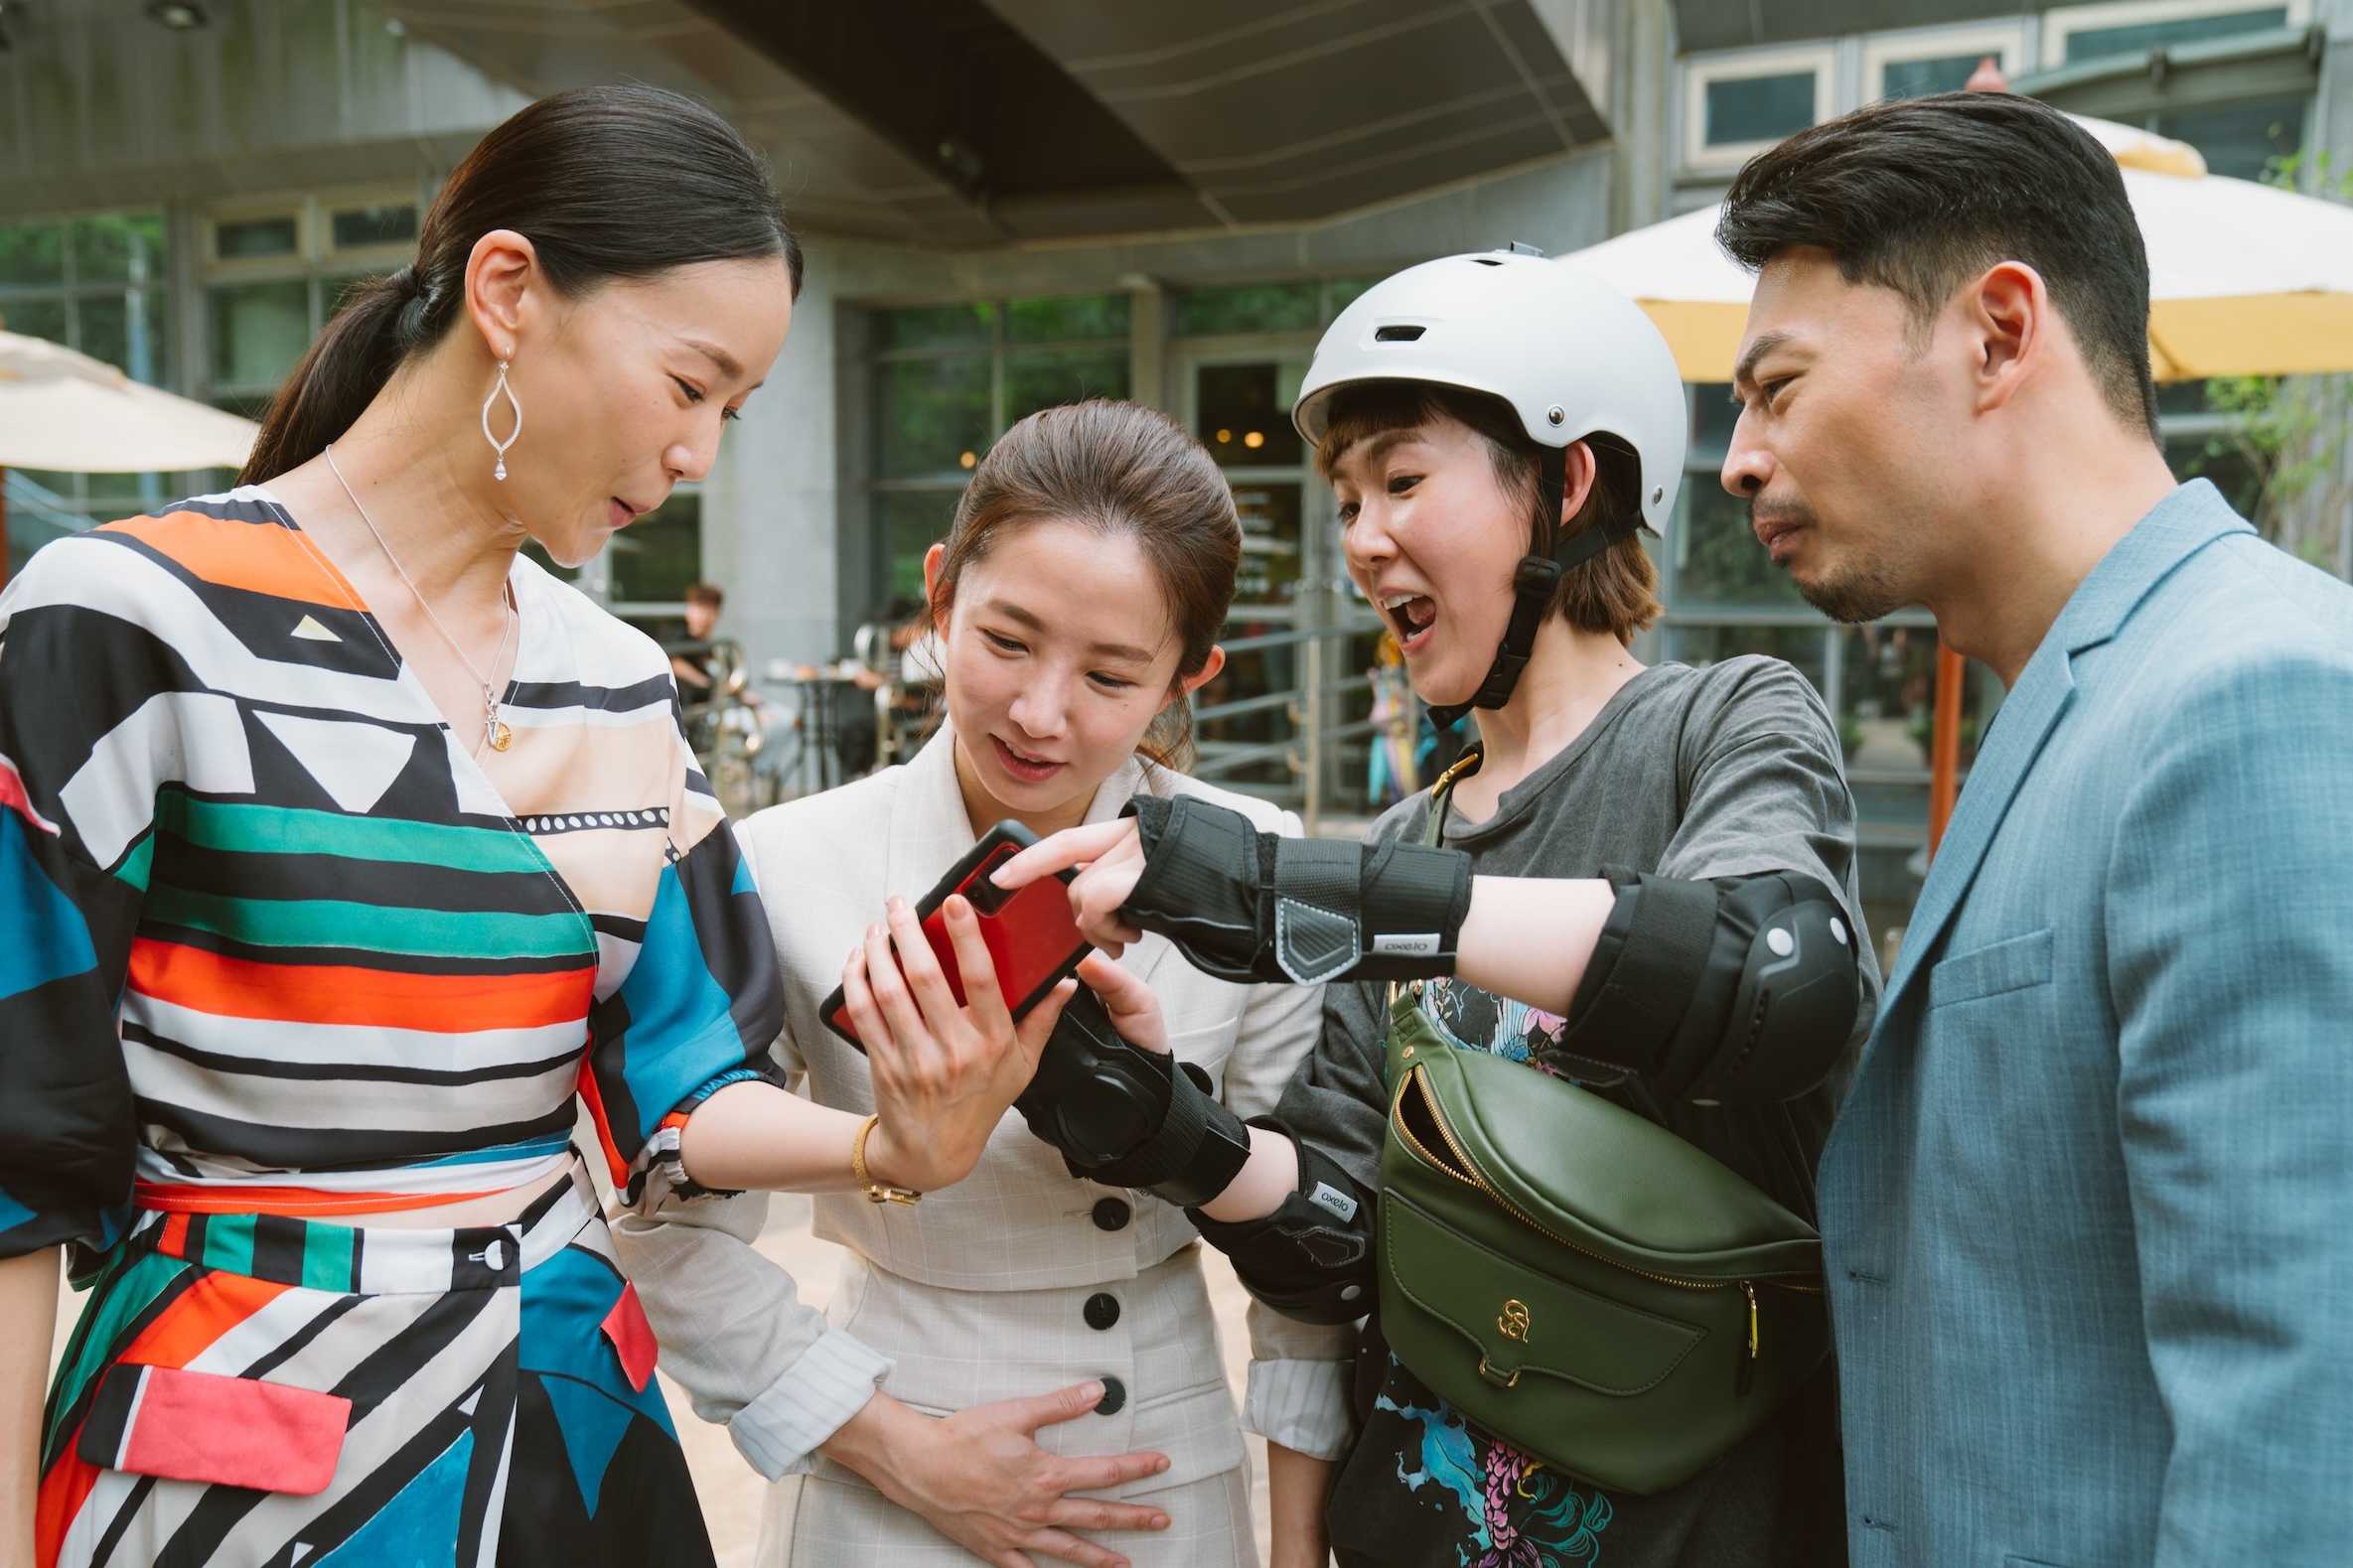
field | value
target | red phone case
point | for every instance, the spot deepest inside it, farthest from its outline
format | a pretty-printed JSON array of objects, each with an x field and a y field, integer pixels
[{"x": 1030, "y": 933}]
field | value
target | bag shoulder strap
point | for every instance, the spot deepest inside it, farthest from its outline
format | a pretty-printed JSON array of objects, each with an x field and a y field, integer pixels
[{"x": 1433, "y": 836}]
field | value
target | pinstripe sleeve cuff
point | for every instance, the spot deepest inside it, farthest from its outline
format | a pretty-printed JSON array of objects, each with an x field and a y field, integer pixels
[
  {"x": 778, "y": 1433},
  {"x": 1302, "y": 1405}
]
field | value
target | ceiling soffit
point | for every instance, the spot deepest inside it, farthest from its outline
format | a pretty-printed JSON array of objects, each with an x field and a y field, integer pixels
[
  {"x": 955, "y": 123},
  {"x": 1306, "y": 110}
]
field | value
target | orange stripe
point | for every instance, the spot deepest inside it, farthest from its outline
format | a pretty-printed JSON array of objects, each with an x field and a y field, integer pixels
[
  {"x": 260, "y": 556},
  {"x": 62, "y": 1492},
  {"x": 595, "y": 1100},
  {"x": 179, "y": 1201},
  {"x": 174, "y": 1241},
  {"x": 448, "y": 1004},
  {"x": 207, "y": 1310}
]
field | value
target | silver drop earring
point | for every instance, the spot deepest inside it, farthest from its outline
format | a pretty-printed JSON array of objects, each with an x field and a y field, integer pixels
[{"x": 497, "y": 445}]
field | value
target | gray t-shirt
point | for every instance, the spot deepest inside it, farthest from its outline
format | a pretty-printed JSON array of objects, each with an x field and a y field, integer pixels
[
  {"x": 1726, "y": 771},
  {"x": 1721, "y": 772}
]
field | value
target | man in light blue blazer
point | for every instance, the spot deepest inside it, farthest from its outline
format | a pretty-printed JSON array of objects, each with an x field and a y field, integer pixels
[{"x": 2088, "y": 1211}]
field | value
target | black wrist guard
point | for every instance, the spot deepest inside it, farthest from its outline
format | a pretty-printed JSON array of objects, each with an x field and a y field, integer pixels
[
  {"x": 1312, "y": 1258},
  {"x": 1245, "y": 906},
  {"x": 1128, "y": 1117}
]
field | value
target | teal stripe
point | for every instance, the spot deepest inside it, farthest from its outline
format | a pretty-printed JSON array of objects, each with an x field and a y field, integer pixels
[
  {"x": 327, "y": 1258},
  {"x": 122, "y": 1293},
  {"x": 228, "y": 1243},
  {"x": 135, "y": 865},
  {"x": 373, "y": 928},
  {"x": 285, "y": 830}
]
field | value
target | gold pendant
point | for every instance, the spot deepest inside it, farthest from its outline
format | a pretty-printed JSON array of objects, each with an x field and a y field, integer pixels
[{"x": 501, "y": 736}]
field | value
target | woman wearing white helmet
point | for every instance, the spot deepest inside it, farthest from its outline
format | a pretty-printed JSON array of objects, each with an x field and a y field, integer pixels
[{"x": 1640, "y": 880}]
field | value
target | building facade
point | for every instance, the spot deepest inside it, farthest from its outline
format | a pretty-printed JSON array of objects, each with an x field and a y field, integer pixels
[{"x": 1019, "y": 204}]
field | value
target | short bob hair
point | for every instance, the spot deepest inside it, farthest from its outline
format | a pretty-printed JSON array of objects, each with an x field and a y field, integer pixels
[{"x": 1616, "y": 591}]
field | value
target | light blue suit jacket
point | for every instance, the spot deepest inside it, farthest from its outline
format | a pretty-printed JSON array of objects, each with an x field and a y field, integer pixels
[{"x": 2088, "y": 1211}]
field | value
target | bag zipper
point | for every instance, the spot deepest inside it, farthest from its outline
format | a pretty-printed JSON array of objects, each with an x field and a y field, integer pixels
[
  {"x": 1469, "y": 1174},
  {"x": 1748, "y": 1364}
]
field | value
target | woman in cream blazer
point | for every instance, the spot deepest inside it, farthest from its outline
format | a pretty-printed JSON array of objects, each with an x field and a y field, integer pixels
[{"x": 1022, "y": 1280}]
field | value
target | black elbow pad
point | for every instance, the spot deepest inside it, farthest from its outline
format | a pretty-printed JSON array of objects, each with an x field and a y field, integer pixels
[
  {"x": 1743, "y": 988},
  {"x": 1312, "y": 1258}
]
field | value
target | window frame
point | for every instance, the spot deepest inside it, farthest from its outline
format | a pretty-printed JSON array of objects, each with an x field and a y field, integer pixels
[
  {"x": 316, "y": 263},
  {"x": 1701, "y": 71},
  {"x": 2060, "y": 25},
  {"x": 2008, "y": 42}
]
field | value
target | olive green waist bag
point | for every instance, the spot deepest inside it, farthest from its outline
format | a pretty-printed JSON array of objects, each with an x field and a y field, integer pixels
[{"x": 1575, "y": 1279}]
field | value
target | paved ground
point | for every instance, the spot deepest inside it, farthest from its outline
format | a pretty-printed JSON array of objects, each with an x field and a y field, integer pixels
[{"x": 731, "y": 1490}]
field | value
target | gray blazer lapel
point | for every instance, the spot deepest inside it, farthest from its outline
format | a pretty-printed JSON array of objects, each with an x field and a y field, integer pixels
[{"x": 2188, "y": 519}]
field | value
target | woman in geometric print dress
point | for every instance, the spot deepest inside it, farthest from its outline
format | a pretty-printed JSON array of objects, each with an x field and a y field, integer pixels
[{"x": 344, "y": 852}]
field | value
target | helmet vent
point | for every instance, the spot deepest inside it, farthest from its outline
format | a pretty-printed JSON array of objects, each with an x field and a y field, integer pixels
[
  {"x": 1399, "y": 333},
  {"x": 1485, "y": 261}
]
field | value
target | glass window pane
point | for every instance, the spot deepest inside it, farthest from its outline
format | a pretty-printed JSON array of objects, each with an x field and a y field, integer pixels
[
  {"x": 2243, "y": 139},
  {"x": 32, "y": 255},
  {"x": 2224, "y": 462},
  {"x": 118, "y": 247},
  {"x": 931, "y": 416},
  {"x": 1046, "y": 380},
  {"x": 1269, "y": 571},
  {"x": 1268, "y": 307},
  {"x": 2181, "y": 397},
  {"x": 1714, "y": 414},
  {"x": 255, "y": 237},
  {"x": 935, "y": 327},
  {"x": 1718, "y": 560},
  {"x": 1072, "y": 316},
  {"x": 1759, "y": 109},
  {"x": 394, "y": 223},
  {"x": 1244, "y": 420},
  {"x": 111, "y": 332},
  {"x": 906, "y": 524},
  {"x": 1915, "y": 78},
  {"x": 2093, "y": 41},
  {"x": 1345, "y": 290},
  {"x": 1887, "y": 699},
  {"x": 35, "y": 318},
  {"x": 1702, "y": 646},
  {"x": 259, "y": 331},
  {"x": 655, "y": 558}
]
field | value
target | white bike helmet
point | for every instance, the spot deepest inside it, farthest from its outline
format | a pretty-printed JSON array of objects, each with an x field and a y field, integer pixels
[{"x": 1573, "y": 357}]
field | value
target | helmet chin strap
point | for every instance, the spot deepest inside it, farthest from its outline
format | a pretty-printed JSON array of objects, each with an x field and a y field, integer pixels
[{"x": 1532, "y": 584}]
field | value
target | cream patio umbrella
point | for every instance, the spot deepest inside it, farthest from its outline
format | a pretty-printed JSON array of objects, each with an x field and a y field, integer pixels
[
  {"x": 2244, "y": 280},
  {"x": 68, "y": 411},
  {"x": 63, "y": 411}
]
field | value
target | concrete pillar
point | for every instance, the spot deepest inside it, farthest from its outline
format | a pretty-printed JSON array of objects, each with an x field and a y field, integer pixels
[{"x": 770, "y": 506}]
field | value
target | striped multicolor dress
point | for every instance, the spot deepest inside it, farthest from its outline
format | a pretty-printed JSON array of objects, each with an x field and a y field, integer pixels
[{"x": 276, "y": 946}]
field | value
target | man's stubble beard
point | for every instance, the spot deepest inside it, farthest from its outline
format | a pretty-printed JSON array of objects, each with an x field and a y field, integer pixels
[{"x": 1864, "y": 590}]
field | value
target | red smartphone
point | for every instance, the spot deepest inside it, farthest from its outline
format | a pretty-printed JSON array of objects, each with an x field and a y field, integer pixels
[{"x": 1029, "y": 931}]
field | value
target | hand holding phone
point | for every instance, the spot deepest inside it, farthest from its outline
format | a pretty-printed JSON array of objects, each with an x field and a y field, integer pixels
[
  {"x": 1032, "y": 939},
  {"x": 943, "y": 1071}
]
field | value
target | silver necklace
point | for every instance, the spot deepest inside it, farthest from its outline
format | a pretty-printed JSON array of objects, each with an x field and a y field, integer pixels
[{"x": 494, "y": 728}]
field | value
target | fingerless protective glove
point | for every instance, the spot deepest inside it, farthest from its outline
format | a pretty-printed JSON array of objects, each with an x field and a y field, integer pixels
[
  {"x": 1129, "y": 1118},
  {"x": 1247, "y": 906}
]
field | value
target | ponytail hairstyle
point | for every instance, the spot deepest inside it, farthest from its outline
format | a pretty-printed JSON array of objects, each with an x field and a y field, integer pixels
[
  {"x": 605, "y": 183},
  {"x": 1113, "y": 468}
]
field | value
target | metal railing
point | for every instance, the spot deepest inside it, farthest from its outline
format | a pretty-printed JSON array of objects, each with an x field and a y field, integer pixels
[{"x": 1307, "y": 705}]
